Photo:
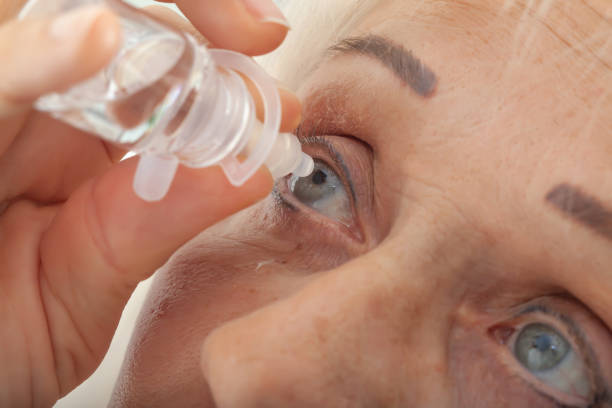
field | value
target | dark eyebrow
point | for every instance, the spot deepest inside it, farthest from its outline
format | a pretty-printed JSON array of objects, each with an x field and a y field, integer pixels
[
  {"x": 407, "y": 67},
  {"x": 581, "y": 207}
]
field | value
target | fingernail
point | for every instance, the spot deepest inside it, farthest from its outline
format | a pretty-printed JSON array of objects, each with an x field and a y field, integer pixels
[
  {"x": 266, "y": 11},
  {"x": 76, "y": 23}
]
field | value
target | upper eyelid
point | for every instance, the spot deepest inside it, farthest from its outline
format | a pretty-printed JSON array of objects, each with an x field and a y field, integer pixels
[
  {"x": 337, "y": 158},
  {"x": 578, "y": 339},
  {"x": 334, "y": 159},
  {"x": 569, "y": 324},
  {"x": 353, "y": 160}
]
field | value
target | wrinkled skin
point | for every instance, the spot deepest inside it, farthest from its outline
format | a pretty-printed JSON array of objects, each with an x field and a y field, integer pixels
[{"x": 416, "y": 303}]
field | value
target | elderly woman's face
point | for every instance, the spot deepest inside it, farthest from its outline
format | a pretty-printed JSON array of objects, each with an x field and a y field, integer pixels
[{"x": 452, "y": 248}]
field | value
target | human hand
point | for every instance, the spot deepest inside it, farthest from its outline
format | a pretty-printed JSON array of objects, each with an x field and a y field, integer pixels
[{"x": 74, "y": 238}]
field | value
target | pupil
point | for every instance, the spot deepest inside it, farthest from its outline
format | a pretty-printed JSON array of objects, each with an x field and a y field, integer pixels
[
  {"x": 319, "y": 177},
  {"x": 543, "y": 343},
  {"x": 541, "y": 348}
]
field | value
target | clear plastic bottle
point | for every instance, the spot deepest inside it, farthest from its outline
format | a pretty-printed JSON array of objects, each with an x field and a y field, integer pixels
[{"x": 172, "y": 100}]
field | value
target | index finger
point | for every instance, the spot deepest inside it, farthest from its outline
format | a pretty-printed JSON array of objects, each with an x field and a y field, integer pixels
[
  {"x": 10, "y": 8},
  {"x": 291, "y": 111},
  {"x": 252, "y": 27}
]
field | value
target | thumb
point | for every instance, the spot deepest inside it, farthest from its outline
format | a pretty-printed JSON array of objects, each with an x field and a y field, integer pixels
[
  {"x": 42, "y": 55},
  {"x": 105, "y": 239},
  {"x": 135, "y": 237}
]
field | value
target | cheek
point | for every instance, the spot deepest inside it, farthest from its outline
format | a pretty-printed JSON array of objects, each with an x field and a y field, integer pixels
[
  {"x": 351, "y": 337},
  {"x": 272, "y": 236},
  {"x": 180, "y": 312},
  {"x": 232, "y": 269}
]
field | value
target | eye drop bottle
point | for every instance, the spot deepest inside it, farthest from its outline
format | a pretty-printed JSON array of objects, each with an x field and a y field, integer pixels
[{"x": 173, "y": 101}]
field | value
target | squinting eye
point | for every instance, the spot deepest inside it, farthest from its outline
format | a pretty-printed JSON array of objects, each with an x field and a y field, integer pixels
[
  {"x": 324, "y": 192},
  {"x": 547, "y": 355}
]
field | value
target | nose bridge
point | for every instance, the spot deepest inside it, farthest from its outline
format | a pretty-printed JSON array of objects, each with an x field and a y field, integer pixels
[{"x": 343, "y": 340}]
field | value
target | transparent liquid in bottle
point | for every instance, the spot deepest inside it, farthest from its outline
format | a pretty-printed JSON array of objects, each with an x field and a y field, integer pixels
[
  {"x": 171, "y": 100},
  {"x": 145, "y": 86}
]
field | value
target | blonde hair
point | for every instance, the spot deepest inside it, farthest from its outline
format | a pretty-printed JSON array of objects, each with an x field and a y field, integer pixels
[{"x": 316, "y": 24}]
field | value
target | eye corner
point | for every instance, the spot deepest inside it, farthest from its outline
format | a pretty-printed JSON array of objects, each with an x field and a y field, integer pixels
[
  {"x": 501, "y": 333},
  {"x": 306, "y": 214},
  {"x": 543, "y": 349},
  {"x": 328, "y": 199}
]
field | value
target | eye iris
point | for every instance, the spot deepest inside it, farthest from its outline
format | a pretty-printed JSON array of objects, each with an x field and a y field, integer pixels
[
  {"x": 324, "y": 192},
  {"x": 540, "y": 348},
  {"x": 318, "y": 189}
]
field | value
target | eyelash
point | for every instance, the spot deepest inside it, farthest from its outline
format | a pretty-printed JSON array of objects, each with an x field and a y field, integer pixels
[
  {"x": 504, "y": 332},
  {"x": 313, "y": 139}
]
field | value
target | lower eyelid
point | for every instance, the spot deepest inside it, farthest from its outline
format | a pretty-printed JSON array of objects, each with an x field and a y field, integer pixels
[
  {"x": 329, "y": 183},
  {"x": 507, "y": 332},
  {"x": 351, "y": 159},
  {"x": 332, "y": 157},
  {"x": 286, "y": 198}
]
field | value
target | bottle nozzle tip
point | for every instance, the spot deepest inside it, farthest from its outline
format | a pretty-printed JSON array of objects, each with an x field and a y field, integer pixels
[{"x": 306, "y": 166}]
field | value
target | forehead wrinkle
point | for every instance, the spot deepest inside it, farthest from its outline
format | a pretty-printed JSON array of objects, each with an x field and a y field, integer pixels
[
  {"x": 581, "y": 46},
  {"x": 577, "y": 53},
  {"x": 581, "y": 31},
  {"x": 585, "y": 34}
]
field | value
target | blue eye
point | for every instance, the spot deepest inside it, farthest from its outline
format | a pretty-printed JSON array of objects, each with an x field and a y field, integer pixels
[
  {"x": 540, "y": 348},
  {"x": 548, "y": 355},
  {"x": 324, "y": 192}
]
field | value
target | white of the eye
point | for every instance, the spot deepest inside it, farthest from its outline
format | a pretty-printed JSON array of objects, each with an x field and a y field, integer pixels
[
  {"x": 569, "y": 377},
  {"x": 336, "y": 205}
]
